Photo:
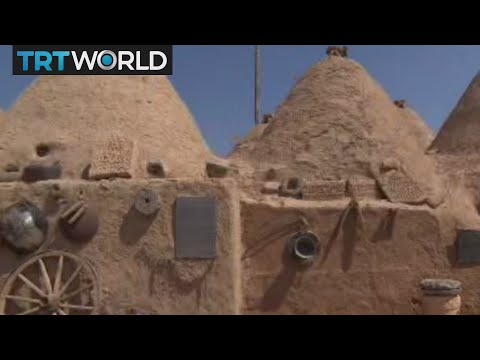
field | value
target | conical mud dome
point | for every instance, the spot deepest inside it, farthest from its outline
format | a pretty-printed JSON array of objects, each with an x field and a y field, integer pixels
[
  {"x": 461, "y": 131},
  {"x": 75, "y": 115},
  {"x": 337, "y": 123},
  {"x": 418, "y": 129}
]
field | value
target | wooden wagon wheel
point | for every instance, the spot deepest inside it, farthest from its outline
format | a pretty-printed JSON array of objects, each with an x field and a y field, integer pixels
[{"x": 51, "y": 283}]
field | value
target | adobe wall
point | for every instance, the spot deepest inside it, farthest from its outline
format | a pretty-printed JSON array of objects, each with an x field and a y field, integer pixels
[
  {"x": 134, "y": 258},
  {"x": 378, "y": 273}
]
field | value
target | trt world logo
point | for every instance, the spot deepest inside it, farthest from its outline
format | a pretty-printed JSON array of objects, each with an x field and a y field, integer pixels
[{"x": 92, "y": 60}]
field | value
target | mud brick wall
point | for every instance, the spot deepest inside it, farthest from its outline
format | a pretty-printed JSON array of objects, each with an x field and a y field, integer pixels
[
  {"x": 135, "y": 259},
  {"x": 364, "y": 189},
  {"x": 112, "y": 159},
  {"x": 377, "y": 272},
  {"x": 325, "y": 190}
]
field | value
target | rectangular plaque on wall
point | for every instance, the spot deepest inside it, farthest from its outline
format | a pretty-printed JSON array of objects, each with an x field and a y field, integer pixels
[
  {"x": 468, "y": 247},
  {"x": 195, "y": 228}
]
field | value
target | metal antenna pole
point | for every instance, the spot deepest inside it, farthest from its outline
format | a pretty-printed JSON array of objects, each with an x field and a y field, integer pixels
[{"x": 257, "y": 85}]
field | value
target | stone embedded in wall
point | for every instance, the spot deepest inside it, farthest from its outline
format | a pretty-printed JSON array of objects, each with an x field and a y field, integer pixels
[
  {"x": 325, "y": 190},
  {"x": 10, "y": 177},
  {"x": 195, "y": 228},
  {"x": 219, "y": 170},
  {"x": 157, "y": 169},
  {"x": 400, "y": 188},
  {"x": 271, "y": 187},
  {"x": 468, "y": 247},
  {"x": 147, "y": 202},
  {"x": 400, "y": 103},
  {"x": 277, "y": 172},
  {"x": 267, "y": 118},
  {"x": 11, "y": 173},
  {"x": 11, "y": 168},
  {"x": 113, "y": 159},
  {"x": 390, "y": 164},
  {"x": 363, "y": 189},
  {"x": 40, "y": 171},
  {"x": 292, "y": 187}
]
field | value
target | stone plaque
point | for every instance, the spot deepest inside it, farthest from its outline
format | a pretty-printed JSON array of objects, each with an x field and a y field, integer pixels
[
  {"x": 468, "y": 247},
  {"x": 195, "y": 228}
]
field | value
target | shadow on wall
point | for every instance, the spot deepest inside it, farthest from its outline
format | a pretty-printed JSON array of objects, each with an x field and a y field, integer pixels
[
  {"x": 351, "y": 230},
  {"x": 350, "y": 239},
  {"x": 349, "y": 227},
  {"x": 185, "y": 276},
  {"x": 9, "y": 261},
  {"x": 58, "y": 240},
  {"x": 270, "y": 239},
  {"x": 134, "y": 226},
  {"x": 278, "y": 291},
  {"x": 386, "y": 227}
]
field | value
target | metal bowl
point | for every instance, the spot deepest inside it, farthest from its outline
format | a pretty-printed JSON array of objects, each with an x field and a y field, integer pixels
[{"x": 23, "y": 227}]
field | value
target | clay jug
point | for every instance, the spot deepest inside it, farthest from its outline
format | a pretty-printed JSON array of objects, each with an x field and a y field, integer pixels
[{"x": 441, "y": 297}]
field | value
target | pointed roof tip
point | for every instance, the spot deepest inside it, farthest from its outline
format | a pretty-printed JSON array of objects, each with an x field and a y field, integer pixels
[
  {"x": 337, "y": 51},
  {"x": 339, "y": 89},
  {"x": 82, "y": 111},
  {"x": 460, "y": 132},
  {"x": 475, "y": 79}
]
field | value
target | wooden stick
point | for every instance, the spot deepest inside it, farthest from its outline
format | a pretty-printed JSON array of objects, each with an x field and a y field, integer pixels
[
  {"x": 77, "y": 215},
  {"x": 257, "y": 84},
  {"x": 361, "y": 219},
  {"x": 72, "y": 209}
]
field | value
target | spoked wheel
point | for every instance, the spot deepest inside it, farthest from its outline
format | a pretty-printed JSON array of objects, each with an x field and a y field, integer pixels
[{"x": 51, "y": 283}]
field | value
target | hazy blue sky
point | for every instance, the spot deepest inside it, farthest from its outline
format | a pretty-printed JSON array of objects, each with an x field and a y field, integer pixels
[{"x": 217, "y": 81}]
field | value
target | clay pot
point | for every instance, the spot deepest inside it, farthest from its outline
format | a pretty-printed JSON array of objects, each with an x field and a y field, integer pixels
[
  {"x": 441, "y": 297},
  {"x": 442, "y": 305},
  {"x": 84, "y": 229}
]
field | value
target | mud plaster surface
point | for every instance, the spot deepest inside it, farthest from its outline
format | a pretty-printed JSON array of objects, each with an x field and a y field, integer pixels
[
  {"x": 376, "y": 272},
  {"x": 335, "y": 124},
  {"x": 114, "y": 158},
  {"x": 134, "y": 256},
  {"x": 460, "y": 132},
  {"x": 75, "y": 114}
]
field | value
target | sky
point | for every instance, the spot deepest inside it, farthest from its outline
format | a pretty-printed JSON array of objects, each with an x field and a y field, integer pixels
[{"x": 217, "y": 81}]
